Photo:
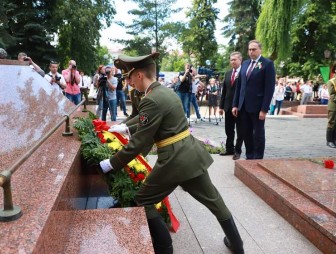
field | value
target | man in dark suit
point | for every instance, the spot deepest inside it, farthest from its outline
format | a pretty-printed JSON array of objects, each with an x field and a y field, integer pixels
[
  {"x": 229, "y": 87},
  {"x": 255, "y": 88}
]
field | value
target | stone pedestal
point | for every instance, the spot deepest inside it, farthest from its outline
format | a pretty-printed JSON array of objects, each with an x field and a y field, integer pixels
[{"x": 303, "y": 192}]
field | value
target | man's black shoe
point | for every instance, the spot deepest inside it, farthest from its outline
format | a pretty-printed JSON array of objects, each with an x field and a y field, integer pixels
[
  {"x": 331, "y": 144},
  {"x": 226, "y": 153},
  {"x": 126, "y": 114},
  {"x": 236, "y": 156}
]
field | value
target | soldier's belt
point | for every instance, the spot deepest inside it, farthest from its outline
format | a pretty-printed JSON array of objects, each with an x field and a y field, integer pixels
[{"x": 173, "y": 139}]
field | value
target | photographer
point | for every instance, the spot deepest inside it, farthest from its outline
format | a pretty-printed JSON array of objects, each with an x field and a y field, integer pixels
[
  {"x": 102, "y": 95},
  {"x": 121, "y": 92},
  {"x": 72, "y": 79},
  {"x": 23, "y": 57},
  {"x": 112, "y": 83},
  {"x": 184, "y": 89},
  {"x": 55, "y": 79}
]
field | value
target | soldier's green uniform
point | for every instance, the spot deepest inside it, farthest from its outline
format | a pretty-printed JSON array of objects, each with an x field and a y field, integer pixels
[
  {"x": 135, "y": 97},
  {"x": 331, "y": 128},
  {"x": 182, "y": 159}
]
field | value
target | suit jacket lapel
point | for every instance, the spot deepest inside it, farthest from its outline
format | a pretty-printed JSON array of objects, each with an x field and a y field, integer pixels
[
  {"x": 255, "y": 68},
  {"x": 243, "y": 71}
]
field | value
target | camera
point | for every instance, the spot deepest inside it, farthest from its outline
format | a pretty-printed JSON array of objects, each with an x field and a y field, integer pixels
[
  {"x": 26, "y": 58},
  {"x": 102, "y": 80},
  {"x": 190, "y": 69},
  {"x": 74, "y": 66},
  {"x": 108, "y": 73},
  {"x": 57, "y": 78}
]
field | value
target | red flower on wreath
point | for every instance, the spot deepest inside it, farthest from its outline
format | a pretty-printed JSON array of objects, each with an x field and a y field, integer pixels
[
  {"x": 141, "y": 176},
  {"x": 100, "y": 125},
  {"x": 329, "y": 164},
  {"x": 101, "y": 137}
]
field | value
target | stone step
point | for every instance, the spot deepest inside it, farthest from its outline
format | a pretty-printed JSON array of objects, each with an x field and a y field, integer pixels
[
  {"x": 306, "y": 111},
  {"x": 118, "y": 230},
  {"x": 300, "y": 191}
]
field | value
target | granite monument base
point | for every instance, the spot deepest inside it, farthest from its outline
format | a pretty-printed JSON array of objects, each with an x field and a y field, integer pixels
[{"x": 301, "y": 191}]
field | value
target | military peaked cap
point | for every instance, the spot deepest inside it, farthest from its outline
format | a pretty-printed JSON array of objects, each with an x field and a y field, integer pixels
[{"x": 130, "y": 63}]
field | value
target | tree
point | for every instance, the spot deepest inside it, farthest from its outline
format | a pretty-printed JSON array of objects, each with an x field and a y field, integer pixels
[
  {"x": 6, "y": 39},
  {"x": 27, "y": 28},
  {"x": 240, "y": 28},
  {"x": 274, "y": 25},
  {"x": 151, "y": 23},
  {"x": 198, "y": 37},
  {"x": 79, "y": 23},
  {"x": 137, "y": 47},
  {"x": 312, "y": 32},
  {"x": 175, "y": 61}
]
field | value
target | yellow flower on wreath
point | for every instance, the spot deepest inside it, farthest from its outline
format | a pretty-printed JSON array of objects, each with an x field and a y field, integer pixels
[
  {"x": 132, "y": 163},
  {"x": 158, "y": 205},
  {"x": 140, "y": 168},
  {"x": 115, "y": 145}
]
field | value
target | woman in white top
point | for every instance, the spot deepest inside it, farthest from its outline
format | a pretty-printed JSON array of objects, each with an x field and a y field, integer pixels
[
  {"x": 324, "y": 95},
  {"x": 279, "y": 95}
]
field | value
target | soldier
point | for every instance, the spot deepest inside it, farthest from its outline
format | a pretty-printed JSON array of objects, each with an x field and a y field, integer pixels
[
  {"x": 135, "y": 97},
  {"x": 182, "y": 159},
  {"x": 331, "y": 128}
]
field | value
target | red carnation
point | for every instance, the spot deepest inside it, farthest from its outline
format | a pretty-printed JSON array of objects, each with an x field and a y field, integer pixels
[
  {"x": 100, "y": 125},
  {"x": 329, "y": 164},
  {"x": 101, "y": 137},
  {"x": 132, "y": 175},
  {"x": 141, "y": 176}
]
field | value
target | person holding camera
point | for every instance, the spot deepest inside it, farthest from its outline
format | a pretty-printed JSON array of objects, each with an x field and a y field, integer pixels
[
  {"x": 23, "y": 57},
  {"x": 72, "y": 78},
  {"x": 121, "y": 98},
  {"x": 101, "y": 83},
  {"x": 331, "y": 128},
  {"x": 184, "y": 89},
  {"x": 100, "y": 70},
  {"x": 55, "y": 79},
  {"x": 112, "y": 83}
]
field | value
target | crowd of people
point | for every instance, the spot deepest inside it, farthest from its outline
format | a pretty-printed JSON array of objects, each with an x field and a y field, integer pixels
[
  {"x": 107, "y": 87},
  {"x": 304, "y": 92},
  {"x": 110, "y": 89}
]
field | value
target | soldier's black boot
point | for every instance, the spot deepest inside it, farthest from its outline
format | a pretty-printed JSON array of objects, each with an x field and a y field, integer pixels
[
  {"x": 161, "y": 238},
  {"x": 232, "y": 238},
  {"x": 330, "y": 138}
]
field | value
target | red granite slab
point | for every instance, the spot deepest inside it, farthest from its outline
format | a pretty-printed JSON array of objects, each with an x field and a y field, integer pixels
[
  {"x": 118, "y": 230},
  {"x": 37, "y": 186},
  {"x": 310, "y": 179},
  {"x": 29, "y": 108},
  {"x": 311, "y": 219}
]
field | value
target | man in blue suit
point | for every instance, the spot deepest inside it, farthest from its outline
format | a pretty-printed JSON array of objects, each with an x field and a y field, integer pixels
[{"x": 254, "y": 92}]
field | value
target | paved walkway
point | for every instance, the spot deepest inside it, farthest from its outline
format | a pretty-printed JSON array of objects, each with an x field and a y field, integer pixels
[
  {"x": 262, "y": 229},
  {"x": 286, "y": 136}
]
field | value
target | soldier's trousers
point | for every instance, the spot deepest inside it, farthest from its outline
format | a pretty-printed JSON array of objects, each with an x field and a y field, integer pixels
[
  {"x": 201, "y": 188},
  {"x": 332, "y": 120}
]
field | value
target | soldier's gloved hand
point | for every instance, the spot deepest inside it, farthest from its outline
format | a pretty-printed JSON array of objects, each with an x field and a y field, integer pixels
[
  {"x": 105, "y": 165},
  {"x": 119, "y": 128}
]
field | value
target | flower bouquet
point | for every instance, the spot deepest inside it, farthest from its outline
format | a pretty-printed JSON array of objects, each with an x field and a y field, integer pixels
[{"x": 99, "y": 144}]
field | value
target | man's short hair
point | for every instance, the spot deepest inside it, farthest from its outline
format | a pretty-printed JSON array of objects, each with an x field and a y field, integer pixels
[
  {"x": 149, "y": 71},
  {"x": 53, "y": 62},
  {"x": 238, "y": 54},
  {"x": 22, "y": 54},
  {"x": 256, "y": 42},
  {"x": 3, "y": 53}
]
